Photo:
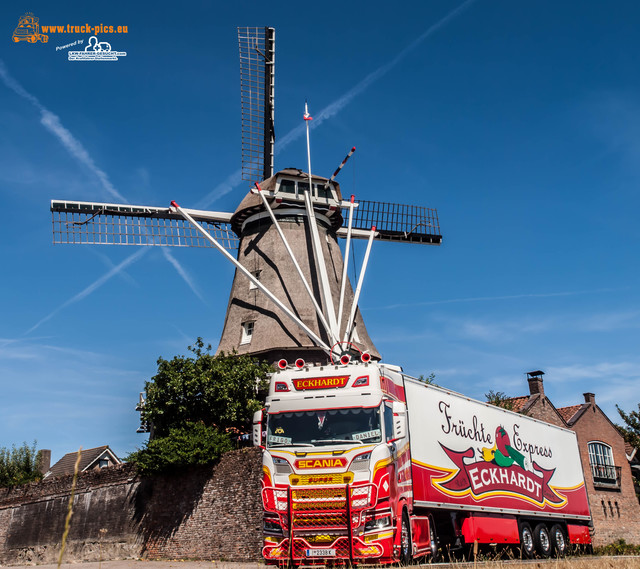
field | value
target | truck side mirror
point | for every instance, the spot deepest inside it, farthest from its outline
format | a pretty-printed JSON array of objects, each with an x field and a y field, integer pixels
[
  {"x": 257, "y": 429},
  {"x": 399, "y": 420}
]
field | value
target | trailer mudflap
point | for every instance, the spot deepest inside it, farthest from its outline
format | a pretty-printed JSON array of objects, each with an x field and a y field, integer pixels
[
  {"x": 490, "y": 529},
  {"x": 578, "y": 534}
]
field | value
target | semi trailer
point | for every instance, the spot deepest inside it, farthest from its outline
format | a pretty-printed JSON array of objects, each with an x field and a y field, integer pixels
[{"x": 362, "y": 464}]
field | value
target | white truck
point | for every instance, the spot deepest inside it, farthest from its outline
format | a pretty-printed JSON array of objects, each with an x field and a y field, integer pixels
[{"x": 364, "y": 464}]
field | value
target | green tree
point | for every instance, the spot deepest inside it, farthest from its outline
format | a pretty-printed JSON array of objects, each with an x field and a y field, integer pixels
[
  {"x": 429, "y": 379},
  {"x": 19, "y": 465},
  {"x": 189, "y": 444},
  {"x": 499, "y": 399},
  {"x": 630, "y": 431},
  {"x": 194, "y": 402}
]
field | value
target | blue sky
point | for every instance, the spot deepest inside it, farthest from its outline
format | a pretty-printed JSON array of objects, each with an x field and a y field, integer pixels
[{"x": 518, "y": 121}]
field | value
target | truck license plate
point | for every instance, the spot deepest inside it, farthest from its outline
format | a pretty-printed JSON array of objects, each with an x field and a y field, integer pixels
[{"x": 320, "y": 552}]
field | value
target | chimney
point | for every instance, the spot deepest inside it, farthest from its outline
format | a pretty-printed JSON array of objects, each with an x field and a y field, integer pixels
[
  {"x": 589, "y": 398},
  {"x": 44, "y": 461},
  {"x": 535, "y": 382}
]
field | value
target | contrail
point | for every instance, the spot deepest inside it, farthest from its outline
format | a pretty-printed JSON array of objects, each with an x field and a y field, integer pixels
[
  {"x": 92, "y": 287},
  {"x": 338, "y": 105},
  {"x": 221, "y": 189},
  {"x": 182, "y": 272},
  {"x": 505, "y": 297},
  {"x": 52, "y": 123},
  {"x": 334, "y": 108}
]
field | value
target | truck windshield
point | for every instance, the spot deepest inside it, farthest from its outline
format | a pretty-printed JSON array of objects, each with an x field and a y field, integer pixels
[{"x": 323, "y": 427}]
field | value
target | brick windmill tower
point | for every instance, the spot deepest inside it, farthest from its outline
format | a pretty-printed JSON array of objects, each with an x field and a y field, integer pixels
[{"x": 291, "y": 298}]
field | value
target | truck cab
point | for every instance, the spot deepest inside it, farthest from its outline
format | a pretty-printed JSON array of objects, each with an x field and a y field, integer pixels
[{"x": 336, "y": 464}]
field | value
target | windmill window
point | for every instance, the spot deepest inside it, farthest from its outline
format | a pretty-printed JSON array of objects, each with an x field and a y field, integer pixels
[
  {"x": 247, "y": 332},
  {"x": 323, "y": 192},
  {"x": 287, "y": 186},
  {"x": 256, "y": 275}
]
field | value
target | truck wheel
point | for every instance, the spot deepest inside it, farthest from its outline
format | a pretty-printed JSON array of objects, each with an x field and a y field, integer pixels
[
  {"x": 542, "y": 540},
  {"x": 526, "y": 541},
  {"x": 405, "y": 540},
  {"x": 559, "y": 540}
]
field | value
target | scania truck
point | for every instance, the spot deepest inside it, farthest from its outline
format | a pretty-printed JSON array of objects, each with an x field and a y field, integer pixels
[{"x": 364, "y": 464}]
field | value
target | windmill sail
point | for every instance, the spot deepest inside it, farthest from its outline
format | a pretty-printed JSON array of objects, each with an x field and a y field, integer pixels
[
  {"x": 92, "y": 223},
  {"x": 123, "y": 224},
  {"x": 257, "y": 67},
  {"x": 398, "y": 222}
]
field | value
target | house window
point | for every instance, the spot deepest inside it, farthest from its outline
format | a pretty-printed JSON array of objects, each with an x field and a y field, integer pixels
[
  {"x": 603, "y": 469},
  {"x": 247, "y": 332},
  {"x": 103, "y": 463},
  {"x": 255, "y": 274}
]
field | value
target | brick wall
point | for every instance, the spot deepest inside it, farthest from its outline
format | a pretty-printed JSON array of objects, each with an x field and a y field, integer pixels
[
  {"x": 543, "y": 410},
  {"x": 205, "y": 513},
  {"x": 622, "y": 516}
]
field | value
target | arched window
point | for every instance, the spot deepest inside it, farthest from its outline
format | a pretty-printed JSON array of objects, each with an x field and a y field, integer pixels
[{"x": 603, "y": 468}]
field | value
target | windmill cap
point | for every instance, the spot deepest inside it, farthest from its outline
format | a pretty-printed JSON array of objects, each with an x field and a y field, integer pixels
[{"x": 252, "y": 202}]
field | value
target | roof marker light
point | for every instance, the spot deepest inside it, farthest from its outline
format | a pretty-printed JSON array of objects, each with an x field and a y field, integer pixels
[
  {"x": 345, "y": 359},
  {"x": 365, "y": 357},
  {"x": 299, "y": 363},
  {"x": 361, "y": 381},
  {"x": 282, "y": 364}
]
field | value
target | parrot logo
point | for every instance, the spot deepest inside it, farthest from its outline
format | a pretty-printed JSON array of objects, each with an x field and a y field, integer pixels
[{"x": 503, "y": 454}]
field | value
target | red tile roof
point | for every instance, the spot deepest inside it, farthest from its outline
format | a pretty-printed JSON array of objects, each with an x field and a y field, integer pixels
[
  {"x": 518, "y": 403},
  {"x": 568, "y": 412}
]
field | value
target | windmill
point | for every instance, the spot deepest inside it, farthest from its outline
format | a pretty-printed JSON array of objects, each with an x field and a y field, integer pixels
[{"x": 291, "y": 299}]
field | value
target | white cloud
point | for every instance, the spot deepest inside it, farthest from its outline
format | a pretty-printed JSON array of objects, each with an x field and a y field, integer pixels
[{"x": 612, "y": 321}]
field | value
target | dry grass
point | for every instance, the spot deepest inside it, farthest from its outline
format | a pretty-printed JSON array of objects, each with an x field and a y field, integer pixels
[
  {"x": 582, "y": 562},
  {"x": 67, "y": 522}
]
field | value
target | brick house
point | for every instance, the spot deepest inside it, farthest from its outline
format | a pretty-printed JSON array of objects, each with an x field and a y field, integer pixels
[
  {"x": 607, "y": 473},
  {"x": 90, "y": 459}
]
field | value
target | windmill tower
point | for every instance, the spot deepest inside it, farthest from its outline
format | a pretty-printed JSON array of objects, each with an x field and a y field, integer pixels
[{"x": 290, "y": 296}]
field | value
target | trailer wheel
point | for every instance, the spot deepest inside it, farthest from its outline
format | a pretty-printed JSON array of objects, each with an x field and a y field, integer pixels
[
  {"x": 559, "y": 540},
  {"x": 527, "y": 545},
  {"x": 405, "y": 540},
  {"x": 542, "y": 540}
]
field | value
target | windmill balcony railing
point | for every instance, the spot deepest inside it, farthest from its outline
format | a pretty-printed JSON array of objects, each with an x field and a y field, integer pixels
[{"x": 606, "y": 476}]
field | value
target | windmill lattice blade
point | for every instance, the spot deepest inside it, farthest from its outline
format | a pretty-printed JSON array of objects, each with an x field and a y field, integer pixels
[
  {"x": 398, "y": 222},
  {"x": 112, "y": 224},
  {"x": 257, "y": 64}
]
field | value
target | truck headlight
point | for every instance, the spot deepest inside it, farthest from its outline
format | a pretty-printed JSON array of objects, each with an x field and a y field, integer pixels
[
  {"x": 377, "y": 524},
  {"x": 361, "y": 462}
]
